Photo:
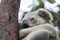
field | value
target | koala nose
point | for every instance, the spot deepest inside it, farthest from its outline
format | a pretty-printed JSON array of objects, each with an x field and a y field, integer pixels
[{"x": 25, "y": 24}]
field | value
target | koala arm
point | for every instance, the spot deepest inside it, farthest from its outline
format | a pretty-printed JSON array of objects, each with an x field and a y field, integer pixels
[
  {"x": 39, "y": 34},
  {"x": 24, "y": 32}
]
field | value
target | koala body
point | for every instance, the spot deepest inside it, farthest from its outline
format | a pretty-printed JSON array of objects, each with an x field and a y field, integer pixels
[{"x": 38, "y": 26}]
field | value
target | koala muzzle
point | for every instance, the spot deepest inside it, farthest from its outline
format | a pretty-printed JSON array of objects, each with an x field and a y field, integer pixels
[{"x": 25, "y": 24}]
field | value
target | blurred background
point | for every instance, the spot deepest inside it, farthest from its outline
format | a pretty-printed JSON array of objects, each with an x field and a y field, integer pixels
[{"x": 51, "y": 5}]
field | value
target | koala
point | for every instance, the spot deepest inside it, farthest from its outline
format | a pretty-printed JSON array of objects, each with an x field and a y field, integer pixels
[{"x": 38, "y": 26}]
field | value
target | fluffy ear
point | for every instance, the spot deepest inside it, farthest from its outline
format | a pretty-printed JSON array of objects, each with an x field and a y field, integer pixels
[
  {"x": 45, "y": 14},
  {"x": 24, "y": 14}
]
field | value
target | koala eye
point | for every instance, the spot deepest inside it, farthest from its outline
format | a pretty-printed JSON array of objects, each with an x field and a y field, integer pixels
[{"x": 31, "y": 19}]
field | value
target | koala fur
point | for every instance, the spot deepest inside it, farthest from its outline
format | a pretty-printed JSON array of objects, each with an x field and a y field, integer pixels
[{"x": 38, "y": 26}]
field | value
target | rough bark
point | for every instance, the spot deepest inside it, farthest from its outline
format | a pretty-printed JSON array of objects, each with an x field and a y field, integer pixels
[{"x": 9, "y": 19}]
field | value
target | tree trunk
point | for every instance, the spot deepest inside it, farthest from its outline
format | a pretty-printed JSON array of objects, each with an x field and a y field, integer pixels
[{"x": 9, "y": 19}]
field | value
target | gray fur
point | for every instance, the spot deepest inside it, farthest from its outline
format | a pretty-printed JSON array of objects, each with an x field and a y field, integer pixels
[{"x": 40, "y": 26}]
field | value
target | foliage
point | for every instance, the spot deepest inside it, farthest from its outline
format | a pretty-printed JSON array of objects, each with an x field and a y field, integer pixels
[
  {"x": 51, "y": 1},
  {"x": 41, "y": 5}
]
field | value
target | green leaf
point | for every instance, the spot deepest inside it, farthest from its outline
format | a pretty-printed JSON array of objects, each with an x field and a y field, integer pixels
[
  {"x": 51, "y": 1},
  {"x": 41, "y": 5},
  {"x": 34, "y": 8},
  {"x": 58, "y": 6}
]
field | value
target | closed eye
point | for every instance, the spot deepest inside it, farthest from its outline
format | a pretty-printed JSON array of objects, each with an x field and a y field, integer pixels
[{"x": 31, "y": 19}]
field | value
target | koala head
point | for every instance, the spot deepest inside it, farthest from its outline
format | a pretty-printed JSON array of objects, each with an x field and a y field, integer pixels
[{"x": 36, "y": 18}]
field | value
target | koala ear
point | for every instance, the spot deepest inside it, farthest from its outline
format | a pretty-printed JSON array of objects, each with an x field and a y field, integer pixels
[
  {"x": 45, "y": 14},
  {"x": 24, "y": 14}
]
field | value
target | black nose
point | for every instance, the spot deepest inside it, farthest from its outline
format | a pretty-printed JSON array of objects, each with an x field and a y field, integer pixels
[{"x": 25, "y": 24}]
